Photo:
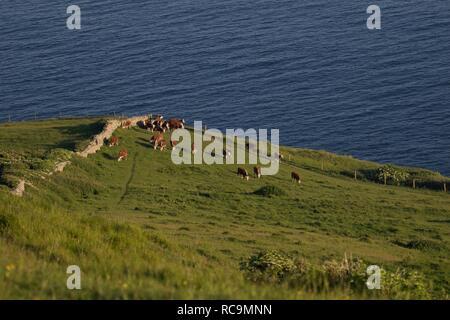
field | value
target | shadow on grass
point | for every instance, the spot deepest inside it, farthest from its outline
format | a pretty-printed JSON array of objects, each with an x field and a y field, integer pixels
[
  {"x": 108, "y": 156},
  {"x": 78, "y": 134}
]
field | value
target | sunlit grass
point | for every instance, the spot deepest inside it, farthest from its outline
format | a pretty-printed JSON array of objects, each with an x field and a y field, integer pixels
[{"x": 145, "y": 228}]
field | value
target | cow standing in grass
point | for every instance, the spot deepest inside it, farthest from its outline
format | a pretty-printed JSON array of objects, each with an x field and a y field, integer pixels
[
  {"x": 156, "y": 139},
  {"x": 148, "y": 124},
  {"x": 243, "y": 173},
  {"x": 126, "y": 124},
  {"x": 162, "y": 145},
  {"x": 257, "y": 171},
  {"x": 123, "y": 155},
  {"x": 176, "y": 124},
  {"x": 113, "y": 141},
  {"x": 295, "y": 177}
]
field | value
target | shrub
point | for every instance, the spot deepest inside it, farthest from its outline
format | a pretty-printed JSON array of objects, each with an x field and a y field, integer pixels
[
  {"x": 393, "y": 175},
  {"x": 347, "y": 272},
  {"x": 41, "y": 164},
  {"x": 59, "y": 155},
  {"x": 402, "y": 284},
  {"x": 268, "y": 266}
]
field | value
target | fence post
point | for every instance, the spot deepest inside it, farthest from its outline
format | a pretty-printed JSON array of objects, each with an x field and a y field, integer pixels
[
  {"x": 385, "y": 178},
  {"x": 414, "y": 183},
  {"x": 356, "y": 178},
  {"x": 445, "y": 187}
]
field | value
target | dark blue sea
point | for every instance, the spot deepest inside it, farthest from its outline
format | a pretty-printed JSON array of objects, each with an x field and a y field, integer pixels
[{"x": 308, "y": 67}]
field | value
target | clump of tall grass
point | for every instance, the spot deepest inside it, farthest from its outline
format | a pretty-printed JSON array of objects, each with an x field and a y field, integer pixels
[
  {"x": 268, "y": 266},
  {"x": 348, "y": 274},
  {"x": 403, "y": 284}
]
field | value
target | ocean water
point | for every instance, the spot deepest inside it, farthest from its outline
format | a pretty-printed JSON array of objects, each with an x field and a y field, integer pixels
[{"x": 308, "y": 67}]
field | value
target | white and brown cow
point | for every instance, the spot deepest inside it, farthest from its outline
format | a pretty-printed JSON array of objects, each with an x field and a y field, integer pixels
[
  {"x": 156, "y": 139},
  {"x": 123, "y": 155},
  {"x": 243, "y": 173},
  {"x": 257, "y": 171},
  {"x": 126, "y": 124},
  {"x": 162, "y": 145},
  {"x": 148, "y": 124},
  {"x": 295, "y": 177},
  {"x": 175, "y": 123},
  {"x": 113, "y": 141}
]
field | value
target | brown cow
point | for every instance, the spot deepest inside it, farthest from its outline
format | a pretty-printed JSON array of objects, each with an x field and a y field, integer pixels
[
  {"x": 113, "y": 141},
  {"x": 156, "y": 139},
  {"x": 123, "y": 155},
  {"x": 257, "y": 171},
  {"x": 176, "y": 123},
  {"x": 162, "y": 145},
  {"x": 295, "y": 177},
  {"x": 160, "y": 126},
  {"x": 242, "y": 172},
  {"x": 148, "y": 124},
  {"x": 126, "y": 124}
]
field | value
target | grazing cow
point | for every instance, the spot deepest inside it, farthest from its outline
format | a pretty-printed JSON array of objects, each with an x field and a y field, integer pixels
[
  {"x": 156, "y": 139},
  {"x": 126, "y": 124},
  {"x": 295, "y": 177},
  {"x": 162, "y": 145},
  {"x": 165, "y": 126},
  {"x": 123, "y": 155},
  {"x": 176, "y": 124},
  {"x": 257, "y": 171},
  {"x": 141, "y": 124},
  {"x": 173, "y": 144},
  {"x": 113, "y": 141},
  {"x": 148, "y": 124},
  {"x": 242, "y": 172},
  {"x": 160, "y": 126}
]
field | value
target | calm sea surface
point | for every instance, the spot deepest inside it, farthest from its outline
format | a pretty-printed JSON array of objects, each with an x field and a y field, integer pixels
[{"x": 308, "y": 67}]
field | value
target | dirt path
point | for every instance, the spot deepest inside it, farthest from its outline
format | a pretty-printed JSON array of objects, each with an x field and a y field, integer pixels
[{"x": 130, "y": 178}]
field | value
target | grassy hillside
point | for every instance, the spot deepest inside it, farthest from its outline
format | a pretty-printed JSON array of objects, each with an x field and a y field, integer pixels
[{"x": 146, "y": 228}]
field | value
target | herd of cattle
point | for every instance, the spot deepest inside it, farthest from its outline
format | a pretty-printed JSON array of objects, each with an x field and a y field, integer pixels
[{"x": 160, "y": 126}]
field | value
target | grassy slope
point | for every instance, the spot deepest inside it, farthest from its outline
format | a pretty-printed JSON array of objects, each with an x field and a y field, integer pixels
[{"x": 145, "y": 228}]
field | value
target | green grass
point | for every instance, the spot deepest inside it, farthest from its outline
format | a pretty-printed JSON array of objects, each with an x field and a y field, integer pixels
[
  {"x": 34, "y": 147},
  {"x": 146, "y": 228}
]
